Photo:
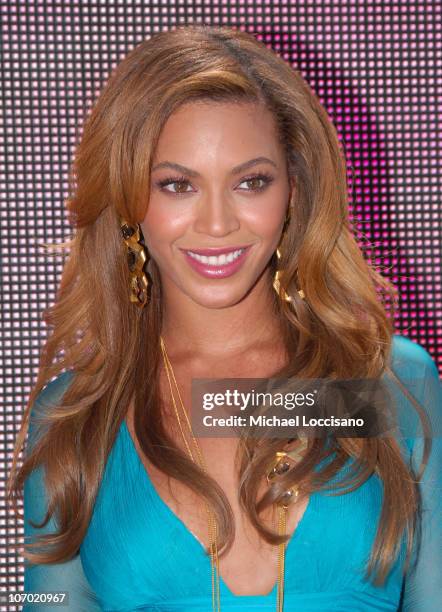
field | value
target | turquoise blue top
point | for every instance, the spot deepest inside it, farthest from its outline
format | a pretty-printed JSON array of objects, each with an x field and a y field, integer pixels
[{"x": 138, "y": 555}]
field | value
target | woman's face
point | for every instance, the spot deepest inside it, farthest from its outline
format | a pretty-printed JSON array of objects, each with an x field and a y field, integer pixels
[{"x": 219, "y": 183}]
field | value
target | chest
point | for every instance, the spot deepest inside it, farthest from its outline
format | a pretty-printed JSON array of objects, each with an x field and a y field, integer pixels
[
  {"x": 250, "y": 566},
  {"x": 138, "y": 551}
]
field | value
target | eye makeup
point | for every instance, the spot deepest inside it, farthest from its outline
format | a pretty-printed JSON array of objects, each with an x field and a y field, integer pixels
[{"x": 265, "y": 177}]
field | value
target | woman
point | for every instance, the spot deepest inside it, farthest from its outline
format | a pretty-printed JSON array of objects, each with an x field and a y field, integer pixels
[{"x": 213, "y": 241}]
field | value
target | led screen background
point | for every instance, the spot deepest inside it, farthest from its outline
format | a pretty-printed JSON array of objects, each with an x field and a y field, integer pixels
[{"x": 377, "y": 68}]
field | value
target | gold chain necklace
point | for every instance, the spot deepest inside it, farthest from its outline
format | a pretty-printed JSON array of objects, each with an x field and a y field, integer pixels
[{"x": 278, "y": 466}]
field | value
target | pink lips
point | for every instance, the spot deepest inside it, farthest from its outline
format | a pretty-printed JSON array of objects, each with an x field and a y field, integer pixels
[{"x": 218, "y": 271}]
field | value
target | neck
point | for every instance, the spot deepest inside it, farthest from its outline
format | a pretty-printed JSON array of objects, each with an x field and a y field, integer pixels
[{"x": 220, "y": 332}]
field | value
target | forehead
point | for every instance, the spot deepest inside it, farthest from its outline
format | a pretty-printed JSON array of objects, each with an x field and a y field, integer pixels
[{"x": 208, "y": 130}]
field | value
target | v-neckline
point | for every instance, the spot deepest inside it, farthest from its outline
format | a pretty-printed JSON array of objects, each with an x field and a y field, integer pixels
[{"x": 299, "y": 529}]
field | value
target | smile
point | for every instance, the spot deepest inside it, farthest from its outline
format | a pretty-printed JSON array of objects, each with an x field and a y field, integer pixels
[
  {"x": 217, "y": 260},
  {"x": 217, "y": 266}
]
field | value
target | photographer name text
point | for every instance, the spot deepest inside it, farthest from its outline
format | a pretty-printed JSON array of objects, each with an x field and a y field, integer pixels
[{"x": 275, "y": 421}]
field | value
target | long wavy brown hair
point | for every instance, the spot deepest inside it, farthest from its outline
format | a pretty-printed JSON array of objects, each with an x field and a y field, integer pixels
[{"x": 341, "y": 329}]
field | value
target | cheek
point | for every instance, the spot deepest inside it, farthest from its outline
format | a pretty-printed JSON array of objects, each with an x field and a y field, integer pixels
[
  {"x": 162, "y": 224},
  {"x": 265, "y": 220}
]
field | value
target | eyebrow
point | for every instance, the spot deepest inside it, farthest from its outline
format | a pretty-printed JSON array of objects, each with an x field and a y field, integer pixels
[{"x": 235, "y": 170}]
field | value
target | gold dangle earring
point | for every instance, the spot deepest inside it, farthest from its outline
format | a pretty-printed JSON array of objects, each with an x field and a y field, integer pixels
[
  {"x": 136, "y": 258},
  {"x": 281, "y": 292}
]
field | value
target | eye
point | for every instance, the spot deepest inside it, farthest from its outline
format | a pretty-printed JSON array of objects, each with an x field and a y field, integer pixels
[
  {"x": 173, "y": 181},
  {"x": 264, "y": 178},
  {"x": 258, "y": 182}
]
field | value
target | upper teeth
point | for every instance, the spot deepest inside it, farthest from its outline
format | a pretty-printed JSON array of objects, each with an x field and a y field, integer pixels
[{"x": 216, "y": 260}]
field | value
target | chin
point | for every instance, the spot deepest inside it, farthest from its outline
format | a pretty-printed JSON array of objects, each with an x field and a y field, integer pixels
[{"x": 211, "y": 299}]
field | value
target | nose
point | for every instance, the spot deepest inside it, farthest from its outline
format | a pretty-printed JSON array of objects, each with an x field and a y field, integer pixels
[{"x": 216, "y": 216}]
